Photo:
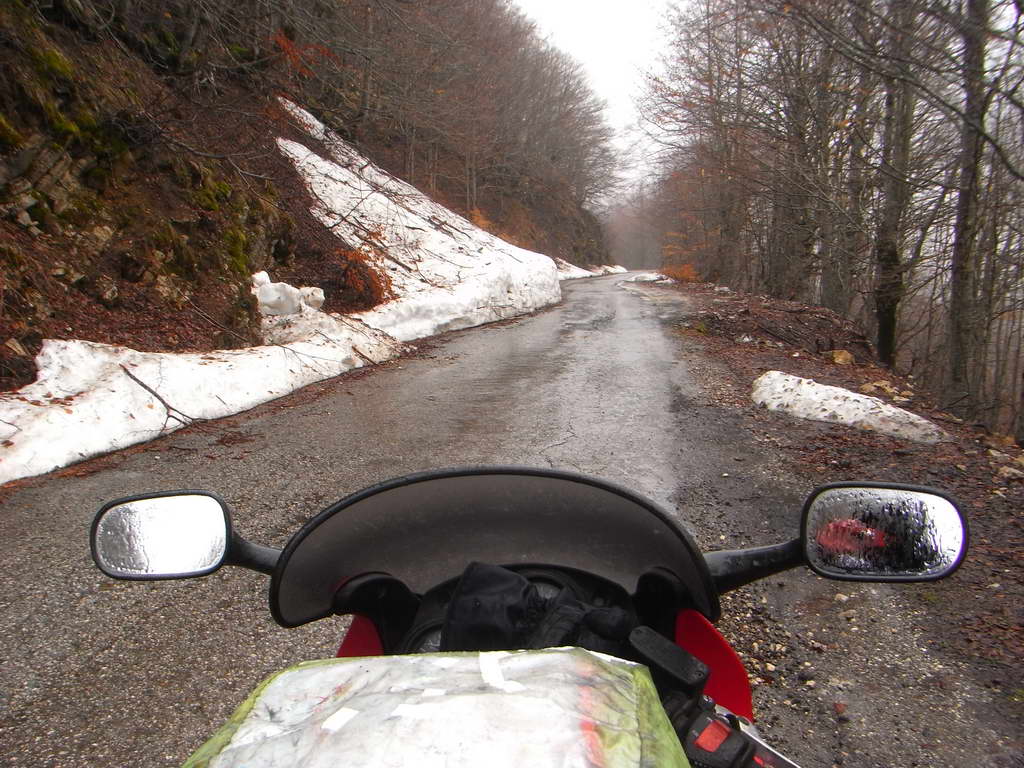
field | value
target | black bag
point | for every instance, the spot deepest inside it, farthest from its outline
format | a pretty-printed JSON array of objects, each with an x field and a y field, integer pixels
[{"x": 493, "y": 608}]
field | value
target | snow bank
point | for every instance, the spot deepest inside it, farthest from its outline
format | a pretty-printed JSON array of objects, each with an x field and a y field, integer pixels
[
  {"x": 446, "y": 272},
  {"x": 92, "y": 398},
  {"x": 567, "y": 271},
  {"x": 806, "y": 399},
  {"x": 649, "y": 277}
]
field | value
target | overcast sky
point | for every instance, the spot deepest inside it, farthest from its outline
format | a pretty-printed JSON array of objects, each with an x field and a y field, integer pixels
[{"x": 613, "y": 39}]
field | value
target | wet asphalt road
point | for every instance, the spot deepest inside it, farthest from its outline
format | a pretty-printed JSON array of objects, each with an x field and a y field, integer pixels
[{"x": 103, "y": 673}]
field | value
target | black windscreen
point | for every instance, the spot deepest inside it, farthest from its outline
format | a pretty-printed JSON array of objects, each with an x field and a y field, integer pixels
[{"x": 424, "y": 529}]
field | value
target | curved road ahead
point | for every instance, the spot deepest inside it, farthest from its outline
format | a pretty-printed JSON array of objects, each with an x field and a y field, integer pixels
[{"x": 104, "y": 673}]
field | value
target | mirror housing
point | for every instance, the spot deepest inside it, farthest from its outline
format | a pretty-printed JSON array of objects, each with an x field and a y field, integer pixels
[
  {"x": 882, "y": 532},
  {"x": 169, "y": 535}
]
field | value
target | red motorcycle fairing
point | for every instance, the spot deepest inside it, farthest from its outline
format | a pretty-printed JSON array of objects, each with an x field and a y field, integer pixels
[
  {"x": 728, "y": 684},
  {"x": 362, "y": 639}
]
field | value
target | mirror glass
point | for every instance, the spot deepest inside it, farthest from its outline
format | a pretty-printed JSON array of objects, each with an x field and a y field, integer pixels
[
  {"x": 883, "y": 533},
  {"x": 161, "y": 537}
]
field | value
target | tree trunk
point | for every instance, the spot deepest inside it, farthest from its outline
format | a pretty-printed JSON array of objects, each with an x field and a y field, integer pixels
[
  {"x": 899, "y": 128},
  {"x": 963, "y": 323},
  {"x": 367, "y": 73}
]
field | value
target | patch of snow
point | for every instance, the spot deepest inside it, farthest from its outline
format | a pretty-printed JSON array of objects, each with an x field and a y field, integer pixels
[
  {"x": 567, "y": 271},
  {"x": 92, "y": 398},
  {"x": 312, "y": 296},
  {"x": 806, "y": 399},
  {"x": 282, "y": 298},
  {"x": 649, "y": 277},
  {"x": 609, "y": 269}
]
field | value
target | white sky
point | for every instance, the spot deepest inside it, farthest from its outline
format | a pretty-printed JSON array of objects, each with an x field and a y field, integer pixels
[{"x": 613, "y": 39}]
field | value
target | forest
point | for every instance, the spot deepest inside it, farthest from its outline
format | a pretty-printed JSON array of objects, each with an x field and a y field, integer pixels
[{"x": 865, "y": 155}]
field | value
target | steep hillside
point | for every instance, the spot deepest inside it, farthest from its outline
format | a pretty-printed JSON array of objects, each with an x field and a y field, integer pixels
[{"x": 136, "y": 198}]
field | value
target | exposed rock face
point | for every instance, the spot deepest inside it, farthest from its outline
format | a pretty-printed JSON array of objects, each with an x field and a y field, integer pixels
[{"x": 39, "y": 180}]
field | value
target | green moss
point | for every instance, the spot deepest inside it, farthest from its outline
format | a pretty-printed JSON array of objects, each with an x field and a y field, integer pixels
[
  {"x": 164, "y": 236},
  {"x": 51, "y": 63},
  {"x": 205, "y": 199},
  {"x": 185, "y": 263},
  {"x": 167, "y": 39},
  {"x": 237, "y": 250},
  {"x": 9, "y": 136},
  {"x": 64, "y": 128},
  {"x": 86, "y": 120},
  {"x": 82, "y": 210},
  {"x": 211, "y": 195},
  {"x": 241, "y": 53}
]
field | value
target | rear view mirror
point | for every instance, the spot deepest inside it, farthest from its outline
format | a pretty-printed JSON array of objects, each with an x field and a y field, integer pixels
[
  {"x": 161, "y": 536},
  {"x": 875, "y": 532}
]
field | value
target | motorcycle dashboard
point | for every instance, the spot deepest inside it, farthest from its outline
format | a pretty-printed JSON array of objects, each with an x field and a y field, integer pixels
[{"x": 425, "y": 528}]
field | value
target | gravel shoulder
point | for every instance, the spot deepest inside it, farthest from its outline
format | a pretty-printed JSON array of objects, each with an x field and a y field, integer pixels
[{"x": 867, "y": 675}]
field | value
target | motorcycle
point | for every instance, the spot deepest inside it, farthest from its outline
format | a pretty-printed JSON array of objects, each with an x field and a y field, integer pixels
[{"x": 539, "y": 615}]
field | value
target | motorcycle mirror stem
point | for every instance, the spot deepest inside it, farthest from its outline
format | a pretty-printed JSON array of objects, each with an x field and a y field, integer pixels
[
  {"x": 255, "y": 557},
  {"x": 734, "y": 568}
]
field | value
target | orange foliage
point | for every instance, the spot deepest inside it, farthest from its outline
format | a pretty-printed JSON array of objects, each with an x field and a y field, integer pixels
[
  {"x": 479, "y": 218},
  {"x": 508, "y": 233},
  {"x": 300, "y": 57},
  {"x": 683, "y": 273},
  {"x": 364, "y": 278}
]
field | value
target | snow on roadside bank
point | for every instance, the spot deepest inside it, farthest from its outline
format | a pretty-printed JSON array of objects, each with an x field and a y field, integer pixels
[
  {"x": 567, "y": 271},
  {"x": 806, "y": 399},
  {"x": 446, "y": 272},
  {"x": 92, "y": 398},
  {"x": 649, "y": 277}
]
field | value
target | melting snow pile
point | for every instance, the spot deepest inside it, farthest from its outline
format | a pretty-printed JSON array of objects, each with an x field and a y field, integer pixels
[
  {"x": 446, "y": 273},
  {"x": 567, "y": 271},
  {"x": 92, "y": 398},
  {"x": 806, "y": 399},
  {"x": 649, "y": 277},
  {"x": 284, "y": 299}
]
